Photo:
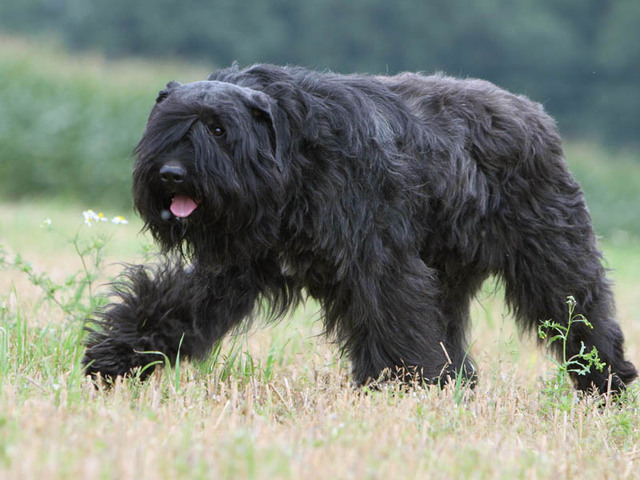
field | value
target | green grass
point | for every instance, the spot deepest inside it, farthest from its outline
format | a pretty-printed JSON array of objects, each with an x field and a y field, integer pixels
[{"x": 278, "y": 402}]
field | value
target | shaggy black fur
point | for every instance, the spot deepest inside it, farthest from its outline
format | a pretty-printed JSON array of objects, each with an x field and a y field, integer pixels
[{"x": 388, "y": 199}]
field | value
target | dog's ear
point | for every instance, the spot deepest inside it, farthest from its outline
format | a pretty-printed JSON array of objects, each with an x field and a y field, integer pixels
[
  {"x": 265, "y": 109},
  {"x": 164, "y": 93}
]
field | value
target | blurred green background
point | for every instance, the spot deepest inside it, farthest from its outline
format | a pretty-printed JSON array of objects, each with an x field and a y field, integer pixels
[{"x": 77, "y": 78}]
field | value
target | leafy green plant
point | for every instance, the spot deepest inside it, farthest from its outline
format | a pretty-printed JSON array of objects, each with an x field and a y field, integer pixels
[
  {"x": 558, "y": 389},
  {"x": 75, "y": 294}
]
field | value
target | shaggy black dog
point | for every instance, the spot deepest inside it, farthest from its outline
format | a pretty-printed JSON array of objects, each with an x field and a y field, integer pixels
[{"x": 388, "y": 199}]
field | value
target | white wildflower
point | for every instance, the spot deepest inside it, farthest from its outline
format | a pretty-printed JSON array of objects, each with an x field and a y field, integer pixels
[
  {"x": 119, "y": 220},
  {"x": 91, "y": 216}
]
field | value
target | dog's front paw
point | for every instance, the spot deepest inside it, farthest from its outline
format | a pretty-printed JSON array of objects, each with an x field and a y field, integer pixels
[
  {"x": 111, "y": 359},
  {"x": 143, "y": 327}
]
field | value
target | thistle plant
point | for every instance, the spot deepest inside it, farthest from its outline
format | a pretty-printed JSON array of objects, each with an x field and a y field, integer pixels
[{"x": 558, "y": 388}]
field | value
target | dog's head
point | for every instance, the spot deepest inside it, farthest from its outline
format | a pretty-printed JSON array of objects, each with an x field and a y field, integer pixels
[{"x": 210, "y": 172}]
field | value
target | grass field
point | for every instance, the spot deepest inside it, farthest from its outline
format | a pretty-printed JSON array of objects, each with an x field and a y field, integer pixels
[{"x": 278, "y": 402}]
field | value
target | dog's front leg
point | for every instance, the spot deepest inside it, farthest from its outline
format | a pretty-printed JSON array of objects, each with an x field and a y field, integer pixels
[{"x": 163, "y": 312}]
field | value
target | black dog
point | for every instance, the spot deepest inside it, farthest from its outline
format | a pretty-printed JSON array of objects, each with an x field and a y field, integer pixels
[{"x": 388, "y": 199}]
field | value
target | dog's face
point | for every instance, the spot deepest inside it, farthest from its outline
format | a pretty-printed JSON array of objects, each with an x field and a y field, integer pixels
[{"x": 209, "y": 167}]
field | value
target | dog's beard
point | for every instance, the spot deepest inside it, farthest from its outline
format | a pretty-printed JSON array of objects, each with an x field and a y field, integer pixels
[
  {"x": 200, "y": 233},
  {"x": 206, "y": 227}
]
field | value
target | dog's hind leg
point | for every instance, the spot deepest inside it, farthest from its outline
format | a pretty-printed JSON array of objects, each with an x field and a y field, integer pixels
[
  {"x": 550, "y": 253},
  {"x": 164, "y": 312}
]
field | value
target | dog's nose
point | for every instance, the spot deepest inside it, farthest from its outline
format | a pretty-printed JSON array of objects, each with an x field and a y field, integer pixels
[{"x": 172, "y": 173}]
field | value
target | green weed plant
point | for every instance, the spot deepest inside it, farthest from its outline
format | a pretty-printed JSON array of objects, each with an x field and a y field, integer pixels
[{"x": 558, "y": 391}]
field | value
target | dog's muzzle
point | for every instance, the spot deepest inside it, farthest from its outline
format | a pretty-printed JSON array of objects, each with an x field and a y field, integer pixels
[{"x": 172, "y": 175}]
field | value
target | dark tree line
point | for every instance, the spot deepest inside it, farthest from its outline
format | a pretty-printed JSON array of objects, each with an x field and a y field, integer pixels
[{"x": 581, "y": 58}]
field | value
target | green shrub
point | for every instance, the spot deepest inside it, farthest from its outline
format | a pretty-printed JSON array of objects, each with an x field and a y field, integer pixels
[{"x": 68, "y": 124}]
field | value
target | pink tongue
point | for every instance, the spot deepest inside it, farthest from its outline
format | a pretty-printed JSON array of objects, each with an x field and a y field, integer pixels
[{"x": 182, "y": 206}]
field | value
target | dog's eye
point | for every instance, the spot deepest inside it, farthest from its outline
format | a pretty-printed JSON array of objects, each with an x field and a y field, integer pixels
[{"x": 216, "y": 130}]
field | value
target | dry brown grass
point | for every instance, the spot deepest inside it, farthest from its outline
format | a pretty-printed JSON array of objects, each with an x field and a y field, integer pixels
[{"x": 278, "y": 403}]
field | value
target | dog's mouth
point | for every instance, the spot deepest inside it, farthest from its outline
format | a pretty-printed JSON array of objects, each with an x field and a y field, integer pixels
[{"x": 183, "y": 205}]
